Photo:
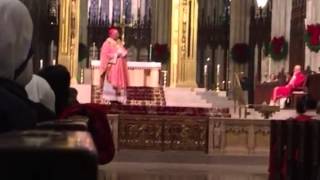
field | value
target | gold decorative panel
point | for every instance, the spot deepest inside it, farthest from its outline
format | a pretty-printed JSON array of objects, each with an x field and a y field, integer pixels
[
  {"x": 196, "y": 133},
  {"x": 69, "y": 35},
  {"x": 163, "y": 132},
  {"x": 184, "y": 27}
]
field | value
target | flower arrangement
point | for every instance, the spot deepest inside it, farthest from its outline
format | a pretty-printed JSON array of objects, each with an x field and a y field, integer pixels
[
  {"x": 312, "y": 37},
  {"x": 240, "y": 53},
  {"x": 160, "y": 53},
  {"x": 278, "y": 48}
]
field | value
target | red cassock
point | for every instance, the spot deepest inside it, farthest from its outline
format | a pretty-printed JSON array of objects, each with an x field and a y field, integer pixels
[{"x": 296, "y": 81}]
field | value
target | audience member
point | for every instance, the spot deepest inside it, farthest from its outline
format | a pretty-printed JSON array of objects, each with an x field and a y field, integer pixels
[
  {"x": 273, "y": 77},
  {"x": 58, "y": 78},
  {"x": 282, "y": 78},
  {"x": 39, "y": 91},
  {"x": 301, "y": 109},
  {"x": 17, "y": 112},
  {"x": 308, "y": 71},
  {"x": 318, "y": 109},
  {"x": 73, "y": 97}
]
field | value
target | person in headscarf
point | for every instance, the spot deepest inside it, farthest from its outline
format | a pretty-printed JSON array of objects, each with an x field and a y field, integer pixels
[
  {"x": 17, "y": 112},
  {"x": 58, "y": 78},
  {"x": 39, "y": 91},
  {"x": 113, "y": 67}
]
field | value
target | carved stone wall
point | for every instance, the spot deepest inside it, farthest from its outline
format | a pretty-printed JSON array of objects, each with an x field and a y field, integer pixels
[{"x": 190, "y": 133}]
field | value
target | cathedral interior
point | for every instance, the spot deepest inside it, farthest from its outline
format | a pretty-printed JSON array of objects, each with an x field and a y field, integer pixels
[{"x": 211, "y": 93}]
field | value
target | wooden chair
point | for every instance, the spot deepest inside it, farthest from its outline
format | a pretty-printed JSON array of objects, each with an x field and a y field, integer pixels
[{"x": 299, "y": 93}]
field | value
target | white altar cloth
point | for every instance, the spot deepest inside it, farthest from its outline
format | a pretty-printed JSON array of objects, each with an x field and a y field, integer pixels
[{"x": 141, "y": 74}]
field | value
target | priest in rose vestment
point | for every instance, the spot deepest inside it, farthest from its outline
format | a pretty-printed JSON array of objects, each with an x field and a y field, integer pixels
[
  {"x": 113, "y": 68},
  {"x": 296, "y": 81}
]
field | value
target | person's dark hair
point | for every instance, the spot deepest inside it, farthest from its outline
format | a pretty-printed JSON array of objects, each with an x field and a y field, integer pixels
[
  {"x": 318, "y": 108},
  {"x": 301, "y": 107},
  {"x": 73, "y": 97},
  {"x": 58, "y": 77}
]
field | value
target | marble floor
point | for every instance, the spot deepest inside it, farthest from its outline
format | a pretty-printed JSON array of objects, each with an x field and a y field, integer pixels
[{"x": 152, "y": 165}]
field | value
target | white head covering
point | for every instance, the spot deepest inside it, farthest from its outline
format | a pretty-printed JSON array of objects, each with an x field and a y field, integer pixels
[
  {"x": 39, "y": 91},
  {"x": 16, "y": 30}
]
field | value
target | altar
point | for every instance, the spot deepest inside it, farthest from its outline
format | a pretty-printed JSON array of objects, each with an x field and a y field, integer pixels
[{"x": 141, "y": 74}]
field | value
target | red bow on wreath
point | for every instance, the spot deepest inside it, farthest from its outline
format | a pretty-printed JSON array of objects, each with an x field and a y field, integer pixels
[
  {"x": 278, "y": 44},
  {"x": 314, "y": 32}
]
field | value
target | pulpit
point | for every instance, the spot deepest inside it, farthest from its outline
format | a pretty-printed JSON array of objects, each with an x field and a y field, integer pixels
[{"x": 141, "y": 74}]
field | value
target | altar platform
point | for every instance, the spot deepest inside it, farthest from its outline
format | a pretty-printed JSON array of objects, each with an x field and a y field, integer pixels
[{"x": 185, "y": 119}]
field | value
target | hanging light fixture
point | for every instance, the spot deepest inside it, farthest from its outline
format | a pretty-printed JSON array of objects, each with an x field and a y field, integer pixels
[{"x": 262, "y": 3}]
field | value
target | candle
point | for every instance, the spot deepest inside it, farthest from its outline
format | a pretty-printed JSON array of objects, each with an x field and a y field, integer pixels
[
  {"x": 150, "y": 53},
  {"x": 218, "y": 77},
  {"x": 143, "y": 7},
  {"x": 205, "y": 69},
  {"x": 54, "y": 62},
  {"x": 269, "y": 69},
  {"x": 41, "y": 63},
  {"x": 51, "y": 50},
  {"x": 99, "y": 6},
  {"x": 110, "y": 11},
  {"x": 205, "y": 73}
]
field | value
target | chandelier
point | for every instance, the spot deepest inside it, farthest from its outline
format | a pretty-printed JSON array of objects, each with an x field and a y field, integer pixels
[{"x": 262, "y": 3}]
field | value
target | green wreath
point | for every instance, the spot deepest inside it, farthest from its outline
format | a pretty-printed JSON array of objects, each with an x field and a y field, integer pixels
[
  {"x": 283, "y": 50},
  {"x": 314, "y": 48}
]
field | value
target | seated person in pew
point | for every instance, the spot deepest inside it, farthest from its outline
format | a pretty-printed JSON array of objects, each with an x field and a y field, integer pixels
[
  {"x": 67, "y": 106},
  {"x": 17, "y": 112},
  {"x": 280, "y": 93},
  {"x": 39, "y": 91},
  {"x": 58, "y": 78}
]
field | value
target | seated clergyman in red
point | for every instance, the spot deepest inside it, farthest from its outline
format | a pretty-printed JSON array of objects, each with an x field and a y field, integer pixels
[{"x": 296, "y": 81}]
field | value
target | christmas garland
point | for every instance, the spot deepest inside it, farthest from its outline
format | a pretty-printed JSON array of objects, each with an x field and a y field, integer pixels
[
  {"x": 240, "y": 53},
  {"x": 278, "y": 48},
  {"x": 312, "y": 37}
]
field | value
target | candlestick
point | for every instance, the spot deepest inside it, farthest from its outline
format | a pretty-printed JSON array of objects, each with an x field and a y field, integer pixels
[{"x": 82, "y": 76}]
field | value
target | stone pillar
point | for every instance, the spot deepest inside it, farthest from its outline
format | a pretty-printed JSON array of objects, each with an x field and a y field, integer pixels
[
  {"x": 239, "y": 31},
  {"x": 161, "y": 14},
  {"x": 281, "y": 23},
  {"x": 83, "y": 34},
  {"x": 313, "y": 17},
  {"x": 69, "y": 36},
  {"x": 184, "y": 34}
]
